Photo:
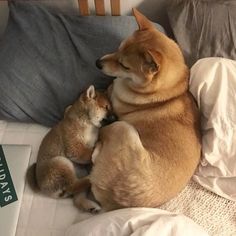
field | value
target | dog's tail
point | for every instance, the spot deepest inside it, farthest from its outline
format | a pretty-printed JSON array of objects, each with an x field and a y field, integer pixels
[{"x": 31, "y": 178}]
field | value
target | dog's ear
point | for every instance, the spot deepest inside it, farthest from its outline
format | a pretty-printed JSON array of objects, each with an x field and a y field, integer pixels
[
  {"x": 142, "y": 20},
  {"x": 152, "y": 62},
  {"x": 90, "y": 93},
  {"x": 66, "y": 110}
]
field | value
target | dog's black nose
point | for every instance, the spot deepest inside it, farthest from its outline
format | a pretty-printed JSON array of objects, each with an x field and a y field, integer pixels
[
  {"x": 112, "y": 118},
  {"x": 99, "y": 64},
  {"x": 109, "y": 119}
]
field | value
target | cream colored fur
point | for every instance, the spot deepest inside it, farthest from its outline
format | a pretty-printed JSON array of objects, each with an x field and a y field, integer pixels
[
  {"x": 72, "y": 141},
  {"x": 147, "y": 157}
]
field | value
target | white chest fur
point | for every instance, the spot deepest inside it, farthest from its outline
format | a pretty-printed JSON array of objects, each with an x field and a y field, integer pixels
[{"x": 90, "y": 136}]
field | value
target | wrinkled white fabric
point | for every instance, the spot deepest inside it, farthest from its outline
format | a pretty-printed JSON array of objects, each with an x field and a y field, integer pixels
[
  {"x": 137, "y": 222},
  {"x": 213, "y": 84}
]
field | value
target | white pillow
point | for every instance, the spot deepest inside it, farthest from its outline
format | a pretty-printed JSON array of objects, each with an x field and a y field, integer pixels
[
  {"x": 137, "y": 222},
  {"x": 213, "y": 84}
]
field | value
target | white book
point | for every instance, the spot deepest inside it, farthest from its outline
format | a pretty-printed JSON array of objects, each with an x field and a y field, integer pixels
[{"x": 14, "y": 160}]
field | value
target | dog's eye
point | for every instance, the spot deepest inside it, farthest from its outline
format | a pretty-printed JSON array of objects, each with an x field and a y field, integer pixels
[
  {"x": 125, "y": 67},
  {"x": 107, "y": 107}
]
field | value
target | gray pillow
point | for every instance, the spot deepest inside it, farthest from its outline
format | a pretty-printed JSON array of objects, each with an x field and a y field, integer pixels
[
  {"x": 204, "y": 28},
  {"x": 47, "y": 59}
]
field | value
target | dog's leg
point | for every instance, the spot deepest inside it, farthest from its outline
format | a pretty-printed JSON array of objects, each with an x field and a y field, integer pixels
[
  {"x": 113, "y": 177},
  {"x": 83, "y": 158},
  {"x": 80, "y": 185},
  {"x": 82, "y": 202},
  {"x": 57, "y": 178}
]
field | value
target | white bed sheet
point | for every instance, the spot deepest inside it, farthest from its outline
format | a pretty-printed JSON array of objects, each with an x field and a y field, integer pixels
[{"x": 39, "y": 215}]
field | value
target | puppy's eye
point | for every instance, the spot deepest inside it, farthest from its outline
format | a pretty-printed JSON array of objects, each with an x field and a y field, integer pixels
[{"x": 125, "y": 67}]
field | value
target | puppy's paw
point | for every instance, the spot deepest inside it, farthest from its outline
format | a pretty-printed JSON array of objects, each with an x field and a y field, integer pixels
[
  {"x": 95, "y": 208},
  {"x": 86, "y": 205}
]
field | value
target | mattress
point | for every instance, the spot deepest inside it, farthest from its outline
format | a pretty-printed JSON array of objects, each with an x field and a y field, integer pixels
[{"x": 39, "y": 215}]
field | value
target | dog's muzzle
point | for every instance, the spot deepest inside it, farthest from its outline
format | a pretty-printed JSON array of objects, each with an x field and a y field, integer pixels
[{"x": 109, "y": 119}]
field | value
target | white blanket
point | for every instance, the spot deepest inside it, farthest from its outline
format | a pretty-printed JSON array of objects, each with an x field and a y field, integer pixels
[
  {"x": 213, "y": 84},
  {"x": 137, "y": 222}
]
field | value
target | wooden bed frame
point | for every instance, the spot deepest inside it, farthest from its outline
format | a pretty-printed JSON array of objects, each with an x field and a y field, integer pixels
[{"x": 99, "y": 7}]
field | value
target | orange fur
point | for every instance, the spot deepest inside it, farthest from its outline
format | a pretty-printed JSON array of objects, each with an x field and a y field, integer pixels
[
  {"x": 147, "y": 157},
  {"x": 71, "y": 141}
]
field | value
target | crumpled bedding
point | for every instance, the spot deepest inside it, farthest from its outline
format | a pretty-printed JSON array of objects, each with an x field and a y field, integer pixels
[
  {"x": 213, "y": 84},
  {"x": 137, "y": 222}
]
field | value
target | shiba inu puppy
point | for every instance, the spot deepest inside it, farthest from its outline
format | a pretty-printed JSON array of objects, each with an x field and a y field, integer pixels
[
  {"x": 72, "y": 141},
  {"x": 147, "y": 157}
]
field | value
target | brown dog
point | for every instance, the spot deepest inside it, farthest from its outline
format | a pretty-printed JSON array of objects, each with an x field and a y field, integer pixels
[
  {"x": 72, "y": 141},
  {"x": 148, "y": 156}
]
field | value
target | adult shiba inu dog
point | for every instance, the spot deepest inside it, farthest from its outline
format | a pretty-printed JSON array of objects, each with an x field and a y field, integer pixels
[
  {"x": 148, "y": 156},
  {"x": 72, "y": 141}
]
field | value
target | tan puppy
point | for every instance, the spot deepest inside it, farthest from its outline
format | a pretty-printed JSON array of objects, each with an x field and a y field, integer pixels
[
  {"x": 147, "y": 157},
  {"x": 72, "y": 140}
]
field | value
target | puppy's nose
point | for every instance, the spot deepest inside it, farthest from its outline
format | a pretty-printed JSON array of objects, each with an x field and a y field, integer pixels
[
  {"x": 109, "y": 119},
  {"x": 99, "y": 64}
]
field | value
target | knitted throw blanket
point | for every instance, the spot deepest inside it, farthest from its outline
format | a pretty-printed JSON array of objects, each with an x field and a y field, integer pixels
[{"x": 215, "y": 214}]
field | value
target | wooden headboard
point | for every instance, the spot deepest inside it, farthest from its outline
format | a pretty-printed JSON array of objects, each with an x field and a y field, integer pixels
[
  {"x": 99, "y": 7},
  {"x": 155, "y": 10}
]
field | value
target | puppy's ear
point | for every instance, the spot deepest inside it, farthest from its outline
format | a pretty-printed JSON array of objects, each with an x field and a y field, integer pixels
[
  {"x": 142, "y": 20},
  {"x": 90, "y": 93},
  {"x": 152, "y": 62},
  {"x": 66, "y": 110}
]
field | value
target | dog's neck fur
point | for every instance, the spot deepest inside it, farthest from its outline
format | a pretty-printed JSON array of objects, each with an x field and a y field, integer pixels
[{"x": 127, "y": 98}]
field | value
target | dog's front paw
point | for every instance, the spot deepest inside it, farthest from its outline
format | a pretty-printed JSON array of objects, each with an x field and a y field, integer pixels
[
  {"x": 85, "y": 204},
  {"x": 90, "y": 206},
  {"x": 94, "y": 208}
]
